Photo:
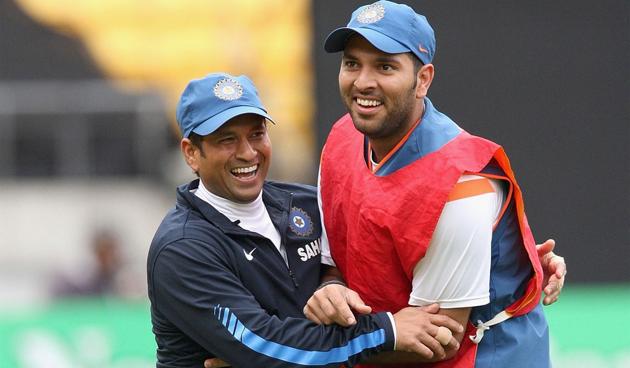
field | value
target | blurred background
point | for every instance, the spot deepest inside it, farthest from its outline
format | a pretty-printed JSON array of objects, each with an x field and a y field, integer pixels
[{"x": 89, "y": 156}]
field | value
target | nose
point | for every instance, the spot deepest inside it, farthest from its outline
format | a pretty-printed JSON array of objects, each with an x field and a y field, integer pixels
[
  {"x": 245, "y": 150},
  {"x": 365, "y": 80}
]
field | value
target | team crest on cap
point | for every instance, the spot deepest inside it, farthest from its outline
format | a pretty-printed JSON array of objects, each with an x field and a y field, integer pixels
[
  {"x": 371, "y": 13},
  {"x": 228, "y": 89},
  {"x": 300, "y": 222}
]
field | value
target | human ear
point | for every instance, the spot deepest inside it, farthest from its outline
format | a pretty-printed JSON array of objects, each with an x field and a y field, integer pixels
[
  {"x": 424, "y": 80},
  {"x": 191, "y": 153}
]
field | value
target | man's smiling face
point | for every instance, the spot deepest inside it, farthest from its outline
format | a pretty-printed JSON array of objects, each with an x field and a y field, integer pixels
[
  {"x": 233, "y": 161},
  {"x": 378, "y": 89}
]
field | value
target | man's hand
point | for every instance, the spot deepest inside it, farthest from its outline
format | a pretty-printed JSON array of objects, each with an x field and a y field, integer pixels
[
  {"x": 334, "y": 304},
  {"x": 417, "y": 327},
  {"x": 554, "y": 270},
  {"x": 215, "y": 363}
]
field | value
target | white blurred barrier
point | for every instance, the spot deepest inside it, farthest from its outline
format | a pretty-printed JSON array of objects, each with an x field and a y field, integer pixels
[
  {"x": 46, "y": 227},
  {"x": 78, "y": 156}
]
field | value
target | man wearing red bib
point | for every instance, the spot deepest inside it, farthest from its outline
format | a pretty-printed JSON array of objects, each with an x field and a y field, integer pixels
[{"x": 416, "y": 210}]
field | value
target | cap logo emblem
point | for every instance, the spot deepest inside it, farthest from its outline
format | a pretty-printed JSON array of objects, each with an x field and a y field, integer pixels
[
  {"x": 228, "y": 89},
  {"x": 371, "y": 13}
]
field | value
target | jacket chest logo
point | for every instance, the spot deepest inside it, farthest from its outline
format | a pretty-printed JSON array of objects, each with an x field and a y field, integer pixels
[
  {"x": 300, "y": 222},
  {"x": 248, "y": 255}
]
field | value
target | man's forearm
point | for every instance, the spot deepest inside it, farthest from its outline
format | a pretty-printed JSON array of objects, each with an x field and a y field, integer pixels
[{"x": 330, "y": 273}]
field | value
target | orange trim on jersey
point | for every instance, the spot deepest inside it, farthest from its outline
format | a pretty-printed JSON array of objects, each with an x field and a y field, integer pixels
[
  {"x": 392, "y": 151},
  {"x": 525, "y": 300},
  {"x": 470, "y": 188},
  {"x": 530, "y": 291},
  {"x": 507, "y": 198}
]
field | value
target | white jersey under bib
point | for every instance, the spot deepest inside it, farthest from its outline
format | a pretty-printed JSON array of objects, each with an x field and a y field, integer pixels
[{"x": 455, "y": 272}]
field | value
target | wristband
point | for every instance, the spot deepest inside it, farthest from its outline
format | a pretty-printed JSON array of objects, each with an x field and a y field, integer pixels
[{"x": 331, "y": 282}]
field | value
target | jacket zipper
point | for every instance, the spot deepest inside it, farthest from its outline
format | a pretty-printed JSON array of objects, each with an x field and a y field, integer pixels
[{"x": 283, "y": 241}]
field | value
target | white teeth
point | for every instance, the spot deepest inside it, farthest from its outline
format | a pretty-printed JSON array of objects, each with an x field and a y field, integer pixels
[
  {"x": 244, "y": 170},
  {"x": 365, "y": 102}
]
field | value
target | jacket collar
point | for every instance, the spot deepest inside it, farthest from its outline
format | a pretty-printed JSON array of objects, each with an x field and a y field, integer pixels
[
  {"x": 432, "y": 133},
  {"x": 277, "y": 202}
]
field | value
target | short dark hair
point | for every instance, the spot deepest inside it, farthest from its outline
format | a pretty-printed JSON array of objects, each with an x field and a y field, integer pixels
[
  {"x": 196, "y": 141},
  {"x": 417, "y": 64}
]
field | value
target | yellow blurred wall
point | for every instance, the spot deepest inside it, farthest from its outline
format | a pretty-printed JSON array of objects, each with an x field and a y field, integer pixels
[{"x": 165, "y": 43}]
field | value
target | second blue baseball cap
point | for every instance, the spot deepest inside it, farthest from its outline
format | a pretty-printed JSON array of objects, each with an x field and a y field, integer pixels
[
  {"x": 209, "y": 102},
  {"x": 392, "y": 28}
]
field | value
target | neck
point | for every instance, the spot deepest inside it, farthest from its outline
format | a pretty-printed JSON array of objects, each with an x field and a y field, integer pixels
[
  {"x": 224, "y": 204},
  {"x": 381, "y": 146}
]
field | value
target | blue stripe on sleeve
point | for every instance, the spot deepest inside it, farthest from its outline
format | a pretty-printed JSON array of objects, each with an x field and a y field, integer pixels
[
  {"x": 226, "y": 317},
  {"x": 233, "y": 323},
  {"x": 295, "y": 355},
  {"x": 239, "y": 330}
]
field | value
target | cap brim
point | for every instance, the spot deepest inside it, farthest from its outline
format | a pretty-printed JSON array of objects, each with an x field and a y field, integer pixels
[
  {"x": 337, "y": 39},
  {"x": 215, "y": 122}
]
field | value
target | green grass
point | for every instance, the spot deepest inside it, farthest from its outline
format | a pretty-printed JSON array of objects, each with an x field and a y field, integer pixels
[{"x": 590, "y": 327}]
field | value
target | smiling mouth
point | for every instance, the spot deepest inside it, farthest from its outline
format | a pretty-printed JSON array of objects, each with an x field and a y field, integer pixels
[
  {"x": 245, "y": 172},
  {"x": 367, "y": 103}
]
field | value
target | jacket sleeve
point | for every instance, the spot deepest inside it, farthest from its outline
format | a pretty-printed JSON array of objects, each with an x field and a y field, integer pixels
[{"x": 199, "y": 291}]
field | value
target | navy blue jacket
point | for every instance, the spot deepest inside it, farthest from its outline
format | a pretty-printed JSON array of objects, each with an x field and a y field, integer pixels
[{"x": 218, "y": 290}]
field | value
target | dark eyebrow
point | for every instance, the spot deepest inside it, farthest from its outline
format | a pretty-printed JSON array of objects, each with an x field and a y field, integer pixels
[
  {"x": 388, "y": 59},
  {"x": 381, "y": 59},
  {"x": 222, "y": 134},
  {"x": 260, "y": 126}
]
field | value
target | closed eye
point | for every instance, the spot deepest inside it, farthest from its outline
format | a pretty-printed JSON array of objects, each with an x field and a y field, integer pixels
[
  {"x": 227, "y": 140},
  {"x": 258, "y": 134}
]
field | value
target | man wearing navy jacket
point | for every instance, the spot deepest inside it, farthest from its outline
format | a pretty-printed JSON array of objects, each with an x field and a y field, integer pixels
[{"x": 232, "y": 265}]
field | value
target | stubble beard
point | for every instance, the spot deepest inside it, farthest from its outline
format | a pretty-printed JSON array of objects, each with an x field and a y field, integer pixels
[{"x": 395, "y": 122}]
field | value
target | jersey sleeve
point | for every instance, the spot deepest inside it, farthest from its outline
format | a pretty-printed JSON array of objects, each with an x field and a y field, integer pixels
[
  {"x": 455, "y": 272},
  {"x": 200, "y": 293}
]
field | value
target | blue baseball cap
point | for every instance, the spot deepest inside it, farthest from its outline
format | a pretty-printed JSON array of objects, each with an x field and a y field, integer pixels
[
  {"x": 392, "y": 28},
  {"x": 209, "y": 102}
]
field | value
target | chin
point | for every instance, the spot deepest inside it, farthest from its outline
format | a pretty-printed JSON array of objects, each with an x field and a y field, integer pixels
[
  {"x": 363, "y": 126},
  {"x": 247, "y": 196}
]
